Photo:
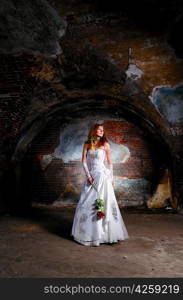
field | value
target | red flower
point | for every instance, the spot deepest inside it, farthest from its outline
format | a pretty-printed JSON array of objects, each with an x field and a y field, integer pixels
[
  {"x": 39, "y": 156},
  {"x": 100, "y": 214}
]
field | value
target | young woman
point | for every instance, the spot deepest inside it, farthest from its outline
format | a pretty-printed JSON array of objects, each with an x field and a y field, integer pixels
[{"x": 97, "y": 217}]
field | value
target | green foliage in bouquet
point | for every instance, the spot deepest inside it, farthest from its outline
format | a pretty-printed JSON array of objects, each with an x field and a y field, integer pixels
[{"x": 100, "y": 204}]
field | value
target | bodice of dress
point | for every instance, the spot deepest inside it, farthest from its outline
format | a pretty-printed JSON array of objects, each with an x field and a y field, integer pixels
[{"x": 95, "y": 159}]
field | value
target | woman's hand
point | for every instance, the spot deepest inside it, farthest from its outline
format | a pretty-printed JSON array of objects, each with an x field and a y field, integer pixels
[
  {"x": 112, "y": 182},
  {"x": 90, "y": 180}
]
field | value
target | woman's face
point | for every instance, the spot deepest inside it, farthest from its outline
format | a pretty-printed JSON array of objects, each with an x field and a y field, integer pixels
[{"x": 100, "y": 131}]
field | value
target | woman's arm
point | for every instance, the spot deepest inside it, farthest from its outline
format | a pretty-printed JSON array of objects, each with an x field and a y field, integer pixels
[
  {"x": 84, "y": 162},
  {"x": 109, "y": 160}
]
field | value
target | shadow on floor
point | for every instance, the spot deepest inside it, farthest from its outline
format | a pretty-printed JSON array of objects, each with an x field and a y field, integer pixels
[{"x": 56, "y": 221}]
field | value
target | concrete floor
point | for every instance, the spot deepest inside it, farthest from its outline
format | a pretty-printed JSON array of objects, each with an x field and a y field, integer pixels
[{"x": 39, "y": 245}]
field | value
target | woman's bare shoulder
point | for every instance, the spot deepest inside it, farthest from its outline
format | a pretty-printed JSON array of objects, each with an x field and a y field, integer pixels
[{"x": 106, "y": 146}]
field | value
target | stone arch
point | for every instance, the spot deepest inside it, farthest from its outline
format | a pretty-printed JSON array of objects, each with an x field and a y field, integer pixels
[{"x": 79, "y": 107}]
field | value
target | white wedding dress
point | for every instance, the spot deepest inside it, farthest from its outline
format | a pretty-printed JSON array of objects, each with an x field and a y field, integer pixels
[{"x": 86, "y": 228}]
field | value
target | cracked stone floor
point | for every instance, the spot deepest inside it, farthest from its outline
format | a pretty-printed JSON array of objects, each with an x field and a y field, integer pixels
[{"x": 39, "y": 244}]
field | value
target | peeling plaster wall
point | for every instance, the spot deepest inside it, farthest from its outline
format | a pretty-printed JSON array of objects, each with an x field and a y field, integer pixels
[
  {"x": 22, "y": 29},
  {"x": 169, "y": 102},
  {"x": 61, "y": 175}
]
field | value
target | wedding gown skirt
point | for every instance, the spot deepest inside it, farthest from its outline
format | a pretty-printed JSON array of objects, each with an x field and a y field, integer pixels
[{"x": 86, "y": 228}]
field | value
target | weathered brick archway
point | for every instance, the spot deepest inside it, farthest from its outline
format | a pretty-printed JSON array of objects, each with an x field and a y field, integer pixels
[
  {"x": 94, "y": 71},
  {"x": 114, "y": 111}
]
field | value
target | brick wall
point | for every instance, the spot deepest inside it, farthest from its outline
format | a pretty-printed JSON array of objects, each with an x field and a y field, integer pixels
[
  {"x": 15, "y": 87},
  {"x": 61, "y": 182}
]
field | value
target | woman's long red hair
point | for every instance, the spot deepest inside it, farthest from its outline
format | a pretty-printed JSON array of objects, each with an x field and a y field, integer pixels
[{"x": 92, "y": 135}]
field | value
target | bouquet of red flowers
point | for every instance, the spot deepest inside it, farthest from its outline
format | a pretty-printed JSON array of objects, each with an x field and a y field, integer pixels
[
  {"x": 99, "y": 205},
  {"x": 100, "y": 208}
]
